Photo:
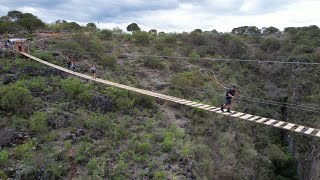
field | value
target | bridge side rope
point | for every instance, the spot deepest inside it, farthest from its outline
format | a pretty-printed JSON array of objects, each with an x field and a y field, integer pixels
[
  {"x": 239, "y": 115},
  {"x": 215, "y": 79}
]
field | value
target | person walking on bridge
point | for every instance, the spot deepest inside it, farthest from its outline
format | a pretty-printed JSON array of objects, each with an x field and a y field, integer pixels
[
  {"x": 231, "y": 92},
  {"x": 93, "y": 70}
]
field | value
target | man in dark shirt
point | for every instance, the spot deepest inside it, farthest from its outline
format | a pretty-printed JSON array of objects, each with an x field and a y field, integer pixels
[{"x": 227, "y": 100}]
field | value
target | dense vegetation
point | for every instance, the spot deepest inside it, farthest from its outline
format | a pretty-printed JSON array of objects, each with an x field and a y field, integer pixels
[{"x": 55, "y": 126}]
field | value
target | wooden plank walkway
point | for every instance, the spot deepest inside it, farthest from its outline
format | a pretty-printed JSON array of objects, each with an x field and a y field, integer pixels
[{"x": 238, "y": 115}]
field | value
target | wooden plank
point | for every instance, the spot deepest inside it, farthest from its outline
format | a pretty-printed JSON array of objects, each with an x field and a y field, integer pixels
[
  {"x": 205, "y": 106},
  {"x": 261, "y": 120},
  {"x": 299, "y": 129},
  {"x": 270, "y": 121},
  {"x": 309, "y": 131},
  {"x": 246, "y": 116},
  {"x": 288, "y": 126},
  {"x": 209, "y": 108},
  {"x": 279, "y": 124},
  {"x": 237, "y": 114},
  {"x": 216, "y": 109},
  {"x": 254, "y": 118}
]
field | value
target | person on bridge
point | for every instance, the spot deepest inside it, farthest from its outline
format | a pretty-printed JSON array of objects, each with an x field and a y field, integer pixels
[
  {"x": 227, "y": 100},
  {"x": 73, "y": 67},
  {"x": 68, "y": 63},
  {"x": 93, "y": 70}
]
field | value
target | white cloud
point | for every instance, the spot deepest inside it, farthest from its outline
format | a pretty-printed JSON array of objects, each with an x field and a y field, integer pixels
[{"x": 175, "y": 15}]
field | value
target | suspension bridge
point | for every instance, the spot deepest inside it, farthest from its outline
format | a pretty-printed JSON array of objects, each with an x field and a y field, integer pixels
[{"x": 236, "y": 115}]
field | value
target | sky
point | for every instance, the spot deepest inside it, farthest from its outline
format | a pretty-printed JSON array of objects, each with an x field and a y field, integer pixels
[{"x": 173, "y": 15}]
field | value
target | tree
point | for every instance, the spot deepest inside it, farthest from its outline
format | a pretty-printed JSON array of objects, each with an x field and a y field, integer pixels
[
  {"x": 197, "y": 31},
  {"x": 91, "y": 27},
  {"x": 30, "y": 22},
  {"x": 106, "y": 34},
  {"x": 153, "y": 31},
  {"x": 290, "y": 30},
  {"x": 133, "y": 27},
  {"x": 250, "y": 30},
  {"x": 6, "y": 27},
  {"x": 14, "y": 15},
  {"x": 270, "y": 30},
  {"x": 73, "y": 26}
]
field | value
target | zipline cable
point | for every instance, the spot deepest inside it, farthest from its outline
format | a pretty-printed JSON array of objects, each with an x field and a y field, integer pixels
[{"x": 238, "y": 60}]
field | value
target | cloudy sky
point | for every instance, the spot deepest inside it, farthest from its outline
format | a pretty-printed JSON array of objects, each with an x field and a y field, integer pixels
[{"x": 174, "y": 15}]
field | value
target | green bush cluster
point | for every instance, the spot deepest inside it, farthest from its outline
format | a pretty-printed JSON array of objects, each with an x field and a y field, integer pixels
[
  {"x": 188, "y": 79},
  {"x": 194, "y": 55},
  {"x": 92, "y": 165},
  {"x": 142, "y": 37},
  {"x": 39, "y": 122},
  {"x": 75, "y": 89},
  {"x": 26, "y": 150},
  {"x": 105, "y": 34},
  {"x": 122, "y": 98},
  {"x": 110, "y": 61},
  {"x": 4, "y": 157},
  {"x": 43, "y": 55},
  {"x": 36, "y": 84},
  {"x": 15, "y": 98},
  {"x": 161, "y": 176},
  {"x": 144, "y": 147},
  {"x": 168, "y": 143},
  {"x": 155, "y": 63}
]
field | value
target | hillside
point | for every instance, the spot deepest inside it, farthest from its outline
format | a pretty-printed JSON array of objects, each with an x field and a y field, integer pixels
[{"x": 55, "y": 126}]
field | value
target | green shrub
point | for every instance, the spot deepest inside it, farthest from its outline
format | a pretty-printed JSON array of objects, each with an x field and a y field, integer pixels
[
  {"x": 36, "y": 84},
  {"x": 167, "y": 145},
  {"x": 17, "y": 121},
  {"x": 188, "y": 79},
  {"x": 92, "y": 165},
  {"x": 168, "y": 142},
  {"x": 144, "y": 147},
  {"x": 3, "y": 175},
  {"x": 155, "y": 63},
  {"x": 119, "y": 171},
  {"x": 110, "y": 61},
  {"x": 25, "y": 151},
  {"x": 142, "y": 37},
  {"x": 270, "y": 45},
  {"x": 75, "y": 89},
  {"x": 194, "y": 55},
  {"x": 121, "y": 97},
  {"x": 15, "y": 99},
  {"x": 178, "y": 132},
  {"x": 168, "y": 51},
  {"x": 56, "y": 169},
  {"x": 99, "y": 122},
  {"x": 4, "y": 157},
  {"x": 106, "y": 34},
  {"x": 161, "y": 176},
  {"x": 43, "y": 55},
  {"x": 83, "y": 152},
  {"x": 140, "y": 158},
  {"x": 39, "y": 122}
]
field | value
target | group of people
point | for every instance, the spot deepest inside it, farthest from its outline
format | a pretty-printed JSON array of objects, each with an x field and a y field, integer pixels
[{"x": 72, "y": 66}]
